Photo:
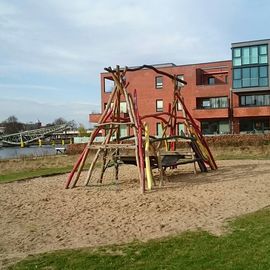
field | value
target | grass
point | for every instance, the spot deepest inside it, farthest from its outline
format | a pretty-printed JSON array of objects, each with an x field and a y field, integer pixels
[
  {"x": 24, "y": 175},
  {"x": 25, "y": 168},
  {"x": 242, "y": 152},
  {"x": 246, "y": 246}
]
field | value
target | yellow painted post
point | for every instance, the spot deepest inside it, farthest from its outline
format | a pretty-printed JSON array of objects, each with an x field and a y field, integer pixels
[
  {"x": 149, "y": 175},
  {"x": 22, "y": 143},
  {"x": 53, "y": 143},
  {"x": 39, "y": 142},
  {"x": 63, "y": 142}
]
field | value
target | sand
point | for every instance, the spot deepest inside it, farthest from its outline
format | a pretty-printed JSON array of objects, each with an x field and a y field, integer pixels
[{"x": 39, "y": 215}]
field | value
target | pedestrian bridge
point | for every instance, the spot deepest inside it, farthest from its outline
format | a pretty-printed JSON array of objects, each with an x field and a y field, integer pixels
[{"x": 27, "y": 137}]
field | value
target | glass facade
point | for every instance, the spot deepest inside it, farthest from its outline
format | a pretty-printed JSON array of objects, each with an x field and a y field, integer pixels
[
  {"x": 250, "y": 77},
  {"x": 250, "y": 66}
]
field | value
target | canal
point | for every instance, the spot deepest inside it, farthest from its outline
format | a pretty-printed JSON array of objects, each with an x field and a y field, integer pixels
[{"x": 32, "y": 151}]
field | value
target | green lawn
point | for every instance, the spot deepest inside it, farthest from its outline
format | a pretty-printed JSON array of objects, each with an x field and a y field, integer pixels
[
  {"x": 246, "y": 246},
  {"x": 27, "y": 174}
]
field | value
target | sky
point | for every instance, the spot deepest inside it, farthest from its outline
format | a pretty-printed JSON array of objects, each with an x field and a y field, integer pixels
[{"x": 53, "y": 51}]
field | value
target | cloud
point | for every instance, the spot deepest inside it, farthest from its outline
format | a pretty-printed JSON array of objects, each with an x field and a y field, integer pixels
[{"x": 57, "y": 48}]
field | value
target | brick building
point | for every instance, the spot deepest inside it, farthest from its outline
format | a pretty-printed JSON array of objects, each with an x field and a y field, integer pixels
[{"x": 224, "y": 97}]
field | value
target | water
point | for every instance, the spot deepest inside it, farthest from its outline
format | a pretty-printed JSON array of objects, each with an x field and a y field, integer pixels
[{"x": 32, "y": 151}]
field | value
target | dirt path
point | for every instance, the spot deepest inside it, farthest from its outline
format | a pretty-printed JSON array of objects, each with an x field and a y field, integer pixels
[{"x": 40, "y": 215}]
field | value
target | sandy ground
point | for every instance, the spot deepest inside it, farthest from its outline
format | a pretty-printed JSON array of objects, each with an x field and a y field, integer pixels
[{"x": 40, "y": 215}]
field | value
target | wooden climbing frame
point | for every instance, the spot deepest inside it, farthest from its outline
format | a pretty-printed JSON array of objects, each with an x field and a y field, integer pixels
[{"x": 147, "y": 151}]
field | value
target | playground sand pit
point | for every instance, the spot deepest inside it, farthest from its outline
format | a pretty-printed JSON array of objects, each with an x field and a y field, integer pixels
[{"x": 39, "y": 215}]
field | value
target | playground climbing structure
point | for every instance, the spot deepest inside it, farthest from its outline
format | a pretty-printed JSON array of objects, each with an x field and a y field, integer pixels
[{"x": 141, "y": 148}]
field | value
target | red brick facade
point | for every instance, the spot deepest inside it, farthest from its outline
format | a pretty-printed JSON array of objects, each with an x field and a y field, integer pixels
[{"x": 206, "y": 82}]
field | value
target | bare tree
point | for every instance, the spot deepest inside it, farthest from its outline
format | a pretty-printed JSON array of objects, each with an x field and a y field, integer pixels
[
  {"x": 12, "y": 125},
  {"x": 59, "y": 121}
]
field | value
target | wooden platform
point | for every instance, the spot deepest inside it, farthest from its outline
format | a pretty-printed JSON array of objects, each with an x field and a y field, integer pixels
[{"x": 168, "y": 158}]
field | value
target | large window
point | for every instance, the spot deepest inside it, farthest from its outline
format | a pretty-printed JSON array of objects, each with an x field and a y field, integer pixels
[
  {"x": 254, "y": 125},
  {"x": 250, "y": 77},
  {"x": 255, "y": 100},
  {"x": 250, "y": 67},
  {"x": 215, "y": 127},
  {"x": 159, "y": 82},
  {"x": 212, "y": 103},
  {"x": 250, "y": 55}
]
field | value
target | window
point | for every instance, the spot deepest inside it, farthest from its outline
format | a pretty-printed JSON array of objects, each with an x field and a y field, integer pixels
[
  {"x": 255, "y": 100},
  {"x": 254, "y": 125},
  {"x": 159, "y": 82},
  {"x": 250, "y": 55},
  {"x": 108, "y": 85},
  {"x": 181, "y": 129},
  {"x": 245, "y": 56},
  {"x": 159, "y": 105},
  {"x": 211, "y": 80},
  {"x": 123, "y": 131},
  {"x": 123, "y": 107},
  {"x": 179, "y": 84},
  {"x": 212, "y": 103},
  {"x": 263, "y": 78},
  {"x": 250, "y": 66},
  {"x": 215, "y": 127},
  {"x": 237, "y": 78},
  {"x": 263, "y": 54},
  {"x": 159, "y": 129},
  {"x": 206, "y": 103},
  {"x": 237, "y": 57},
  {"x": 254, "y": 55},
  {"x": 250, "y": 77}
]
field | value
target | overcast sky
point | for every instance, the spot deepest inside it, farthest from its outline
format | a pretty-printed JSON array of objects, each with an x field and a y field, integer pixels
[{"x": 52, "y": 51}]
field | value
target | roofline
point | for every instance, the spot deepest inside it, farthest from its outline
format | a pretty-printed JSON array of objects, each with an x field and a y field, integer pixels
[
  {"x": 185, "y": 65},
  {"x": 251, "y": 41}
]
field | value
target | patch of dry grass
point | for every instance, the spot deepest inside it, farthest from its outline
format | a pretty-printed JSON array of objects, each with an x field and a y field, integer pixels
[
  {"x": 16, "y": 165},
  {"x": 241, "y": 152}
]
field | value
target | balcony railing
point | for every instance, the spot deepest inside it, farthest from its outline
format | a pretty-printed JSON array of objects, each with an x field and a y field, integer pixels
[{"x": 211, "y": 113}]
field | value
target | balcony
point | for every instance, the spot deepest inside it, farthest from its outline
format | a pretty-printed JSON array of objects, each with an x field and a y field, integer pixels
[
  {"x": 251, "y": 111},
  {"x": 211, "y": 113}
]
